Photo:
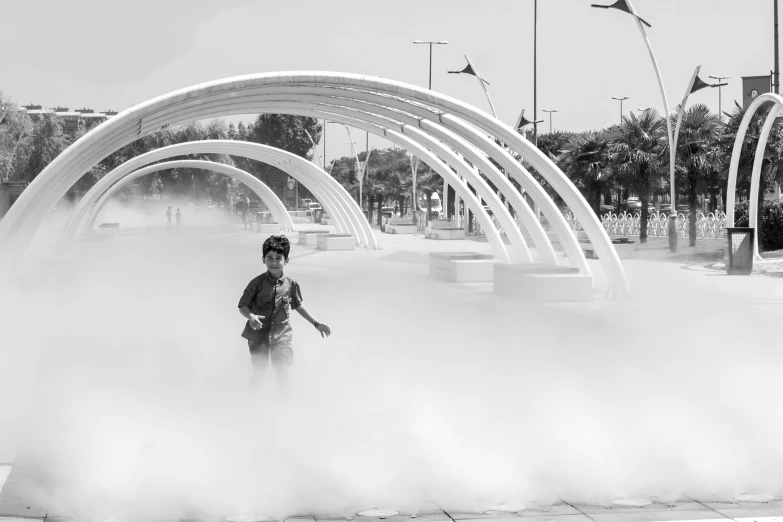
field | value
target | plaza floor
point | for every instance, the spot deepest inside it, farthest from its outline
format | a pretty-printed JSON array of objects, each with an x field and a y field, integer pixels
[{"x": 385, "y": 288}]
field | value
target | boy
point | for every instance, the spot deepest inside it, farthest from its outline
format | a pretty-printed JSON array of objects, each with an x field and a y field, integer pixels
[{"x": 266, "y": 303}]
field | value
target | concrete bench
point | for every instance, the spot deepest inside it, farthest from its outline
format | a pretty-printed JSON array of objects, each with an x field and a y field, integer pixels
[
  {"x": 310, "y": 237},
  {"x": 109, "y": 225},
  {"x": 444, "y": 233},
  {"x": 462, "y": 267},
  {"x": 539, "y": 282},
  {"x": 401, "y": 228},
  {"x": 625, "y": 248},
  {"x": 268, "y": 227},
  {"x": 335, "y": 242}
]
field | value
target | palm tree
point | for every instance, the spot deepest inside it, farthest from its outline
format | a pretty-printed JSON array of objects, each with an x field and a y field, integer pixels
[
  {"x": 697, "y": 156},
  {"x": 636, "y": 146},
  {"x": 586, "y": 160}
]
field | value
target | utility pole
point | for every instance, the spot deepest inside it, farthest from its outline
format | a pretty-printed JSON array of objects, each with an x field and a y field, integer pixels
[
  {"x": 777, "y": 54},
  {"x": 720, "y": 94},
  {"x": 535, "y": 72}
]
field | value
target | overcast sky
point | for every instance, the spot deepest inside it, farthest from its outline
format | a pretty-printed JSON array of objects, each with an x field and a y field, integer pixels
[{"x": 104, "y": 54}]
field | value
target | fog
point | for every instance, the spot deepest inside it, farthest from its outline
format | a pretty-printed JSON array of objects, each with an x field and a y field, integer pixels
[{"x": 124, "y": 381}]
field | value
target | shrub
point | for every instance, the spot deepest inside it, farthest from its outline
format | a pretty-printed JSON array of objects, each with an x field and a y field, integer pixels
[{"x": 771, "y": 221}]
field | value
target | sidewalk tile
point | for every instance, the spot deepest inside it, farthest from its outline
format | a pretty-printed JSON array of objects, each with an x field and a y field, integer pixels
[
  {"x": 680, "y": 505},
  {"x": 548, "y": 518},
  {"x": 743, "y": 512},
  {"x": 559, "y": 508},
  {"x": 22, "y": 509},
  {"x": 497, "y": 516},
  {"x": 660, "y": 516}
]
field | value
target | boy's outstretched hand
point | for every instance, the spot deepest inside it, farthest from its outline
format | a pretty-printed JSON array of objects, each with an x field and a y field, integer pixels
[
  {"x": 324, "y": 329},
  {"x": 255, "y": 321}
]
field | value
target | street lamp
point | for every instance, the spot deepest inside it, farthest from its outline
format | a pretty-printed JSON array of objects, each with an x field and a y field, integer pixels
[
  {"x": 719, "y": 79},
  {"x": 621, "y": 106},
  {"x": 431, "y": 43},
  {"x": 470, "y": 69},
  {"x": 550, "y": 111}
]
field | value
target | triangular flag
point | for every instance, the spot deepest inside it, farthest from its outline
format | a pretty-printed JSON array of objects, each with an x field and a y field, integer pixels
[
  {"x": 699, "y": 84},
  {"x": 621, "y": 5}
]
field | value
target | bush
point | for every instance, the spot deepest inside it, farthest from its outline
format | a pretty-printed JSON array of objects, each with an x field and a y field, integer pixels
[{"x": 771, "y": 223}]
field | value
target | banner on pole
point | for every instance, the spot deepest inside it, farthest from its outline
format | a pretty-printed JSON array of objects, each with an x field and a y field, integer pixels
[{"x": 752, "y": 86}]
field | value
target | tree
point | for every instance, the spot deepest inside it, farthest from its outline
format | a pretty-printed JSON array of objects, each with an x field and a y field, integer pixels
[
  {"x": 15, "y": 128},
  {"x": 586, "y": 160},
  {"x": 47, "y": 142},
  {"x": 285, "y": 132},
  {"x": 636, "y": 146},
  {"x": 697, "y": 156}
]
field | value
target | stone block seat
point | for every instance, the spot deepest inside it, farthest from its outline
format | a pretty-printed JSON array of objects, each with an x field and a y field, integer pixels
[
  {"x": 625, "y": 248},
  {"x": 335, "y": 242},
  {"x": 540, "y": 282},
  {"x": 462, "y": 267},
  {"x": 268, "y": 227},
  {"x": 400, "y": 226},
  {"x": 443, "y": 230},
  {"x": 310, "y": 237}
]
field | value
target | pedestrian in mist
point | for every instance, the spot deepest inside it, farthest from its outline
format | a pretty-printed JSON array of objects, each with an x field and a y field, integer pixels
[
  {"x": 179, "y": 218},
  {"x": 266, "y": 303},
  {"x": 168, "y": 219}
]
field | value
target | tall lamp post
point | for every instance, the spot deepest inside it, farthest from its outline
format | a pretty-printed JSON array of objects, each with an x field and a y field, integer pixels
[
  {"x": 720, "y": 101},
  {"x": 627, "y": 7},
  {"x": 431, "y": 43},
  {"x": 621, "y": 105},
  {"x": 550, "y": 111}
]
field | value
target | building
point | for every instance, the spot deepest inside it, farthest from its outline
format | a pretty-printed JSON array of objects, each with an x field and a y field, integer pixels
[{"x": 72, "y": 120}]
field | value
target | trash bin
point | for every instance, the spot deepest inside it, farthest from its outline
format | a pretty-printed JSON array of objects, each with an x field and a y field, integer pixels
[
  {"x": 318, "y": 214},
  {"x": 739, "y": 246}
]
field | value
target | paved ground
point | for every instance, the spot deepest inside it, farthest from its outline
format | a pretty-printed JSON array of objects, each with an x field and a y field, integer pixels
[{"x": 383, "y": 291}]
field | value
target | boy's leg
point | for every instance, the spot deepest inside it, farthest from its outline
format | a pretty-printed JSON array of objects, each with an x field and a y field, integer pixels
[
  {"x": 259, "y": 356},
  {"x": 282, "y": 357}
]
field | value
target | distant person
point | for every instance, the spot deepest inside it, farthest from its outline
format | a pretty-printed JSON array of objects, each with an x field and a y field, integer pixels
[
  {"x": 179, "y": 218},
  {"x": 266, "y": 303},
  {"x": 242, "y": 208},
  {"x": 168, "y": 219}
]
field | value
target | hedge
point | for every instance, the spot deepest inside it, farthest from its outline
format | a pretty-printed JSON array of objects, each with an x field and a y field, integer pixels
[{"x": 771, "y": 220}]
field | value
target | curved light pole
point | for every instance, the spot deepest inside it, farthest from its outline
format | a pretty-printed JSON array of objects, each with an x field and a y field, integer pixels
[
  {"x": 550, "y": 111},
  {"x": 470, "y": 69},
  {"x": 627, "y": 7},
  {"x": 621, "y": 105}
]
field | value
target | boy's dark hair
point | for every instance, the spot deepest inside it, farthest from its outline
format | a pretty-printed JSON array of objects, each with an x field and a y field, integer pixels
[{"x": 279, "y": 244}]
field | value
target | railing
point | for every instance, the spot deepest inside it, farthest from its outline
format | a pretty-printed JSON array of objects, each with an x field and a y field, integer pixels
[
  {"x": 629, "y": 224},
  {"x": 708, "y": 226}
]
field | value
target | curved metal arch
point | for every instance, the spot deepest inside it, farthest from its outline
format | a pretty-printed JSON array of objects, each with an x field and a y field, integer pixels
[
  {"x": 16, "y": 229},
  {"x": 320, "y": 183},
  {"x": 333, "y": 99},
  {"x": 758, "y": 160},
  {"x": 267, "y": 195}
]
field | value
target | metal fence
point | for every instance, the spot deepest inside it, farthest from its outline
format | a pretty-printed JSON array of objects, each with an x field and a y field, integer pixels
[
  {"x": 628, "y": 224},
  {"x": 708, "y": 226}
]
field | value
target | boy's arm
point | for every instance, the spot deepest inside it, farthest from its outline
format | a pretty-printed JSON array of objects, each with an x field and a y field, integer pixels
[
  {"x": 321, "y": 327},
  {"x": 255, "y": 320}
]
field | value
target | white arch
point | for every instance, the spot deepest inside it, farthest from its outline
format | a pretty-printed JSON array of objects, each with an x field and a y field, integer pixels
[
  {"x": 16, "y": 229},
  {"x": 755, "y": 105},
  {"x": 336, "y": 200},
  {"x": 478, "y": 148},
  {"x": 267, "y": 195}
]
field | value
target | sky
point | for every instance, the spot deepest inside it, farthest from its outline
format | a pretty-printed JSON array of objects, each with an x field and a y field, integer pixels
[{"x": 109, "y": 55}]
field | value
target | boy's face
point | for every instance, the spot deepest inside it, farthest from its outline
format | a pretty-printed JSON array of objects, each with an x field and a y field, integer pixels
[{"x": 275, "y": 263}]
